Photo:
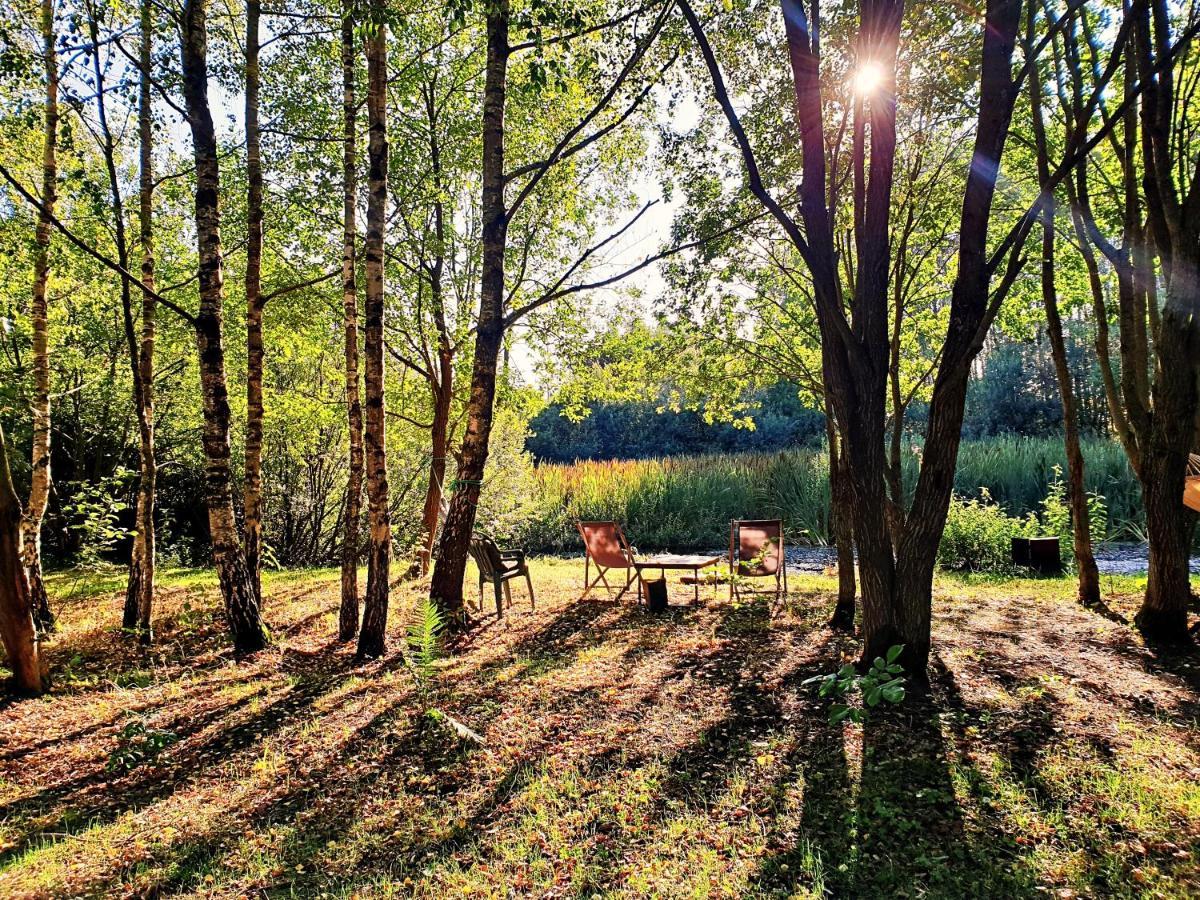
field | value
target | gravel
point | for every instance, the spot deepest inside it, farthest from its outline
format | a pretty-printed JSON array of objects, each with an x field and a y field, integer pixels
[{"x": 1111, "y": 559}]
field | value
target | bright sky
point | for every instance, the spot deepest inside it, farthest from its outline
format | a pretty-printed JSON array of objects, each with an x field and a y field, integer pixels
[{"x": 648, "y": 235}]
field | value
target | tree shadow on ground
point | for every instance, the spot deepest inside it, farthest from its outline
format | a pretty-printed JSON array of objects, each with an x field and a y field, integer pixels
[
  {"x": 100, "y": 796},
  {"x": 913, "y": 834}
]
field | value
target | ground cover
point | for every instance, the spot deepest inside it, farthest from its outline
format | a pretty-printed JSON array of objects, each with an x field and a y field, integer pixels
[{"x": 626, "y": 754}]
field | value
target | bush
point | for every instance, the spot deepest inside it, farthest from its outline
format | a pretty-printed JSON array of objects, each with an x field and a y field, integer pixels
[{"x": 978, "y": 535}]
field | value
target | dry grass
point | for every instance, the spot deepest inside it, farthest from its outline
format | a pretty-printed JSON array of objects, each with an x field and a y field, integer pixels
[{"x": 627, "y": 755}]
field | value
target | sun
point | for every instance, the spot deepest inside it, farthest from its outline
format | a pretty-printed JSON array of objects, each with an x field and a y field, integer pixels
[{"x": 868, "y": 78}]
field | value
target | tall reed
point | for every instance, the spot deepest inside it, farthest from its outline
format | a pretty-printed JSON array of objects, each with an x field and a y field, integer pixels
[{"x": 686, "y": 502}]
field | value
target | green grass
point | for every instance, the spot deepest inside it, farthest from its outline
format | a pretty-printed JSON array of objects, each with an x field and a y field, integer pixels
[{"x": 627, "y": 754}]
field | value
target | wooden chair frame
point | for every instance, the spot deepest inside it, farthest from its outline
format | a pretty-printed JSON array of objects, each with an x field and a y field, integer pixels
[
  {"x": 1191, "y": 483},
  {"x": 627, "y": 549},
  {"x": 736, "y": 562}
]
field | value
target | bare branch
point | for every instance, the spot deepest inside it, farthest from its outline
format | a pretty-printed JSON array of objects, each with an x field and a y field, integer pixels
[{"x": 91, "y": 251}]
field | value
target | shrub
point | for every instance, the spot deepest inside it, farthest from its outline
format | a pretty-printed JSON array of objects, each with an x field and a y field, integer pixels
[
  {"x": 978, "y": 535},
  {"x": 1055, "y": 513}
]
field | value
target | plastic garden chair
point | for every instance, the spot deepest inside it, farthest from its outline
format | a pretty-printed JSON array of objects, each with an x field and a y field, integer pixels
[{"x": 499, "y": 567}]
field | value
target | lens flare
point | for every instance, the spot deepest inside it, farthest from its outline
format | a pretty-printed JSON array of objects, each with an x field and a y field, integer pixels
[{"x": 868, "y": 78}]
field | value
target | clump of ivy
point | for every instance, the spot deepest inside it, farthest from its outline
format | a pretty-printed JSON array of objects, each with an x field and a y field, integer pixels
[{"x": 138, "y": 744}]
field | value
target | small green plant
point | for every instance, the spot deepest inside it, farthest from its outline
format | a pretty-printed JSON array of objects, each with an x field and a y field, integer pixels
[
  {"x": 1055, "y": 512},
  {"x": 137, "y": 744},
  {"x": 423, "y": 633},
  {"x": 883, "y": 683},
  {"x": 95, "y": 509},
  {"x": 422, "y": 639}
]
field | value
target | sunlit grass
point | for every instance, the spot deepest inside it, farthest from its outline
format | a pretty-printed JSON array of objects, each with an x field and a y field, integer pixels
[{"x": 627, "y": 754}]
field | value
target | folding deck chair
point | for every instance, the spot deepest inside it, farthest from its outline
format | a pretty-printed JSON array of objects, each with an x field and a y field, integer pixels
[
  {"x": 756, "y": 551},
  {"x": 605, "y": 545}
]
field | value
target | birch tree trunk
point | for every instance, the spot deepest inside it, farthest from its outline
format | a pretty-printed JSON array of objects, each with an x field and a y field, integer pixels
[
  {"x": 252, "y": 484},
  {"x": 140, "y": 592},
  {"x": 348, "y": 613},
  {"x": 39, "y": 485},
  {"x": 17, "y": 630},
  {"x": 237, "y": 588},
  {"x": 371, "y": 640},
  {"x": 446, "y": 586}
]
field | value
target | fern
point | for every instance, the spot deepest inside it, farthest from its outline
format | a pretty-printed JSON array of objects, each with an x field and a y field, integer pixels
[{"x": 423, "y": 632}]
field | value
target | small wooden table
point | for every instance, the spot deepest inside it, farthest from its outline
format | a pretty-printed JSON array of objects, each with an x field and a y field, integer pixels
[{"x": 665, "y": 561}]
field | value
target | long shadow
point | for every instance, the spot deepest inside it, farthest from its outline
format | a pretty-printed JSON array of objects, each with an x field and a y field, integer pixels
[
  {"x": 332, "y": 792},
  {"x": 173, "y": 768},
  {"x": 818, "y": 765},
  {"x": 699, "y": 770},
  {"x": 913, "y": 835},
  {"x": 559, "y": 640}
]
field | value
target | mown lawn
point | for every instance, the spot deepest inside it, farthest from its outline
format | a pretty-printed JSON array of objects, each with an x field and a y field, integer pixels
[{"x": 626, "y": 754}]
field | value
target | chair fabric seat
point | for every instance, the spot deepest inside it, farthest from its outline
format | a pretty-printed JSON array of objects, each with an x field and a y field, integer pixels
[{"x": 1191, "y": 493}]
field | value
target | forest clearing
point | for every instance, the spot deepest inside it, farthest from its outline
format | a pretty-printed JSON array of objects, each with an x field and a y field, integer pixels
[
  {"x": 600, "y": 448},
  {"x": 625, "y": 754}
]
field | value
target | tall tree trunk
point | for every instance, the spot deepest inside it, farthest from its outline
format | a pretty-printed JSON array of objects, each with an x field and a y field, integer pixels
[
  {"x": 348, "y": 613},
  {"x": 1081, "y": 531},
  {"x": 39, "y": 485},
  {"x": 252, "y": 485},
  {"x": 237, "y": 588},
  {"x": 1174, "y": 394},
  {"x": 371, "y": 641},
  {"x": 139, "y": 598},
  {"x": 1170, "y": 524},
  {"x": 446, "y": 586},
  {"x": 439, "y": 447},
  {"x": 137, "y": 583},
  {"x": 842, "y": 526},
  {"x": 971, "y": 309},
  {"x": 441, "y": 379},
  {"x": 17, "y": 630}
]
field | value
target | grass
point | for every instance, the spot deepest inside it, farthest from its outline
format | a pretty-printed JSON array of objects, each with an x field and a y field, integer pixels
[
  {"x": 627, "y": 755},
  {"x": 687, "y": 501}
]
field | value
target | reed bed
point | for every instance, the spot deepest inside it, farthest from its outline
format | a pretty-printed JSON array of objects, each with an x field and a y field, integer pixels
[{"x": 686, "y": 502}]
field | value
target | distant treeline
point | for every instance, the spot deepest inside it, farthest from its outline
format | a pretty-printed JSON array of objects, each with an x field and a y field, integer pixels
[{"x": 1014, "y": 393}]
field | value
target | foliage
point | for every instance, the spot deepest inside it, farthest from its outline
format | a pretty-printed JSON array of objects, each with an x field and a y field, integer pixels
[
  {"x": 882, "y": 683},
  {"x": 96, "y": 512},
  {"x": 138, "y": 744},
  {"x": 1055, "y": 514},
  {"x": 687, "y": 501},
  {"x": 978, "y": 535},
  {"x": 641, "y": 430},
  {"x": 422, "y": 636},
  {"x": 681, "y": 501}
]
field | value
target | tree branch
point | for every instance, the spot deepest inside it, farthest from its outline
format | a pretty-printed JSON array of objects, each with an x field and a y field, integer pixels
[
  {"x": 558, "y": 292},
  {"x": 91, "y": 251}
]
